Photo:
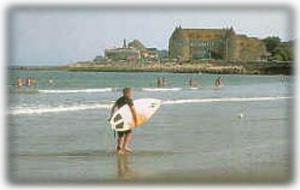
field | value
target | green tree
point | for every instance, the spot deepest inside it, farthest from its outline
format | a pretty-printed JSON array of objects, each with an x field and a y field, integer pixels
[
  {"x": 280, "y": 51},
  {"x": 272, "y": 42}
]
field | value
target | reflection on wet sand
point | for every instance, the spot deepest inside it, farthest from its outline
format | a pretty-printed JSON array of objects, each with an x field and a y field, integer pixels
[
  {"x": 125, "y": 163},
  {"x": 124, "y": 169}
]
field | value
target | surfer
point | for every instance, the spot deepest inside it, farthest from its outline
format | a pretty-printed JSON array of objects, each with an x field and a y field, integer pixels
[{"x": 124, "y": 137}]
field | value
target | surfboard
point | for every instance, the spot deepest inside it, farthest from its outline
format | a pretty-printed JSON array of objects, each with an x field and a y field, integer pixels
[{"x": 122, "y": 120}]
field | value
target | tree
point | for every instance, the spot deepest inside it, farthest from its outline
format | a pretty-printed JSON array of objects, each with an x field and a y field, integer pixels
[
  {"x": 280, "y": 51},
  {"x": 271, "y": 43}
]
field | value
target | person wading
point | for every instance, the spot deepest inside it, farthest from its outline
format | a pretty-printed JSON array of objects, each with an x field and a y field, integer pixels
[{"x": 124, "y": 137}]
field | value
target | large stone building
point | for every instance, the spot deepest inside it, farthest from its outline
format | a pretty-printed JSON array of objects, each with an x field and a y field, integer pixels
[{"x": 217, "y": 44}]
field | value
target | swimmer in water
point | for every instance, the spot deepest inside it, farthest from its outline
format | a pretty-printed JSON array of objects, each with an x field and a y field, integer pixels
[
  {"x": 163, "y": 81},
  {"x": 158, "y": 82},
  {"x": 219, "y": 82},
  {"x": 50, "y": 81},
  {"x": 19, "y": 82}
]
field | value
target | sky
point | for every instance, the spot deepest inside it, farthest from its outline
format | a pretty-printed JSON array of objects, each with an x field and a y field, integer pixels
[{"x": 57, "y": 36}]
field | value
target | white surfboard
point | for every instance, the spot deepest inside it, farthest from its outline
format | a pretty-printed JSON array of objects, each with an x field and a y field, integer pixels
[{"x": 122, "y": 120}]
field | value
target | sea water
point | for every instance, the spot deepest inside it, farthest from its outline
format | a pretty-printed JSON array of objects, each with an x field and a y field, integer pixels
[{"x": 59, "y": 133}]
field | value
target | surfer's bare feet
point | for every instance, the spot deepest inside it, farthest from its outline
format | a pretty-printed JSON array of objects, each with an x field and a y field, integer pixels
[
  {"x": 128, "y": 149},
  {"x": 121, "y": 152}
]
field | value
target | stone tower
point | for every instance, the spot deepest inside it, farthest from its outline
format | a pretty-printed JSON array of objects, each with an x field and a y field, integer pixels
[{"x": 124, "y": 43}]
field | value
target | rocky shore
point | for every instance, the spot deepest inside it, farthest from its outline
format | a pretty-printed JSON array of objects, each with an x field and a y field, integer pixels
[
  {"x": 217, "y": 68},
  {"x": 185, "y": 68}
]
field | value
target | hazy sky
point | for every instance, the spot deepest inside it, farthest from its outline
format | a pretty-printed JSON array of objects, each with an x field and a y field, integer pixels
[{"x": 61, "y": 36}]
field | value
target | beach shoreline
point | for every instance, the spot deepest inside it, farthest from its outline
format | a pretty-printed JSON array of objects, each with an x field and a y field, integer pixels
[{"x": 229, "y": 149}]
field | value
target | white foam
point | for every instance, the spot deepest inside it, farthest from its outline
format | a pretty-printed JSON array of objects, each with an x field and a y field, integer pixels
[
  {"x": 77, "y": 91},
  {"x": 160, "y": 89},
  {"x": 67, "y": 108},
  {"x": 42, "y": 110},
  {"x": 229, "y": 99}
]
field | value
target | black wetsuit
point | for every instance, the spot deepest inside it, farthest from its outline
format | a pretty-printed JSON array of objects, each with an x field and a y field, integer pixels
[{"x": 119, "y": 103}]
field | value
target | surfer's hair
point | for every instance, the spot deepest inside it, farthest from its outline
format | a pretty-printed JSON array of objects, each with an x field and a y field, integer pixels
[{"x": 126, "y": 90}]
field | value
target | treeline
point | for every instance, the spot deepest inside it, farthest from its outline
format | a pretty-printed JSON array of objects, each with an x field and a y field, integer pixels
[{"x": 280, "y": 51}]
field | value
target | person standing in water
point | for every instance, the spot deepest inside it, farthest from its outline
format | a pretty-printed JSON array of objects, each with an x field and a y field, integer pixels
[
  {"x": 218, "y": 82},
  {"x": 124, "y": 137},
  {"x": 19, "y": 82},
  {"x": 163, "y": 81},
  {"x": 191, "y": 83},
  {"x": 28, "y": 81},
  {"x": 158, "y": 82},
  {"x": 50, "y": 81}
]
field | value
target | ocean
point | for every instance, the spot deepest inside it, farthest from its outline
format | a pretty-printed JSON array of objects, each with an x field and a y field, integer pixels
[{"x": 59, "y": 133}]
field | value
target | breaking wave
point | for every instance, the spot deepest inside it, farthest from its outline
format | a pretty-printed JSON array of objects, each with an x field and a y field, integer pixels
[
  {"x": 77, "y": 91},
  {"x": 232, "y": 99},
  {"x": 160, "y": 89},
  {"x": 41, "y": 110},
  {"x": 91, "y": 106}
]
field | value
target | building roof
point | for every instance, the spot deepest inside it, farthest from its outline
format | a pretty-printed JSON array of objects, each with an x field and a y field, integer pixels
[
  {"x": 218, "y": 30},
  {"x": 136, "y": 44}
]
